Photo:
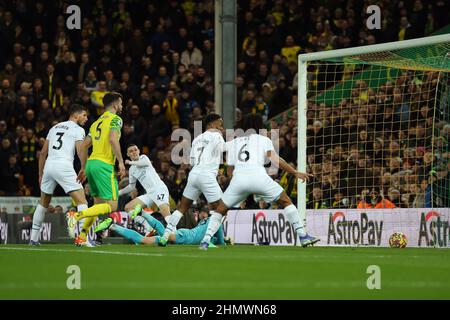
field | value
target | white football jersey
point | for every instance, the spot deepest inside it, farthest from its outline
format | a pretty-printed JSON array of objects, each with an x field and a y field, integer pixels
[
  {"x": 206, "y": 152},
  {"x": 61, "y": 141},
  {"x": 147, "y": 176},
  {"x": 248, "y": 153}
]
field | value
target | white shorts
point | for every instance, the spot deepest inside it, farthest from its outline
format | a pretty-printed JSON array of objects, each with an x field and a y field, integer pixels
[
  {"x": 202, "y": 183},
  {"x": 158, "y": 197},
  {"x": 59, "y": 173},
  {"x": 243, "y": 185}
]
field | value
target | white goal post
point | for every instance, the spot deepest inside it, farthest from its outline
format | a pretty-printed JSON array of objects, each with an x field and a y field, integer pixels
[{"x": 305, "y": 59}]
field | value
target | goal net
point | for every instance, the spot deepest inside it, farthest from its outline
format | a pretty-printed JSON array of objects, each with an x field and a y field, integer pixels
[{"x": 374, "y": 125}]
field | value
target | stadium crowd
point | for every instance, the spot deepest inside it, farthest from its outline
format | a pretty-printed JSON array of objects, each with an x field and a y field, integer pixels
[{"x": 160, "y": 56}]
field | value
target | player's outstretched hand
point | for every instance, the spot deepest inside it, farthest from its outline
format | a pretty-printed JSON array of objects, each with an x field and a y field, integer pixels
[
  {"x": 122, "y": 171},
  {"x": 303, "y": 176},
  {"x": 81, "y": 178},
  {"x": 127, "y": 162}
]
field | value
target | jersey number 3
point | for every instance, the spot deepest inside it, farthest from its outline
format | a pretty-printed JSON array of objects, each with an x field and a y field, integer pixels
[{"x": 60, "y": 135}]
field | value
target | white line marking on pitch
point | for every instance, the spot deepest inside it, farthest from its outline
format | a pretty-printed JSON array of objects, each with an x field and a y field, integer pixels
[
  {"x": 87, "y": 251},
  {"x": 148, "y": 254}
]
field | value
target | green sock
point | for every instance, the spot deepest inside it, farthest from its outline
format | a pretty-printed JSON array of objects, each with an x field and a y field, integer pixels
[{"x": 136, "y": 211}]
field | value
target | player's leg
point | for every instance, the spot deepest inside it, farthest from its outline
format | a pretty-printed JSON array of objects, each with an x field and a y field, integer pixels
[
  {"x": 293, "y": 216},
  {"x": 66, "y": 177},
  {"x": 213, "y": 194},
  {"x": 191, "y": 192},
  {"x": 104, "y": 188},
  {"x": 154, "y": 223},
  {"x": 161, "y": 198},
  {"x": 134, "y": 207},
  {"x": 214, "y": 223},
  {"x": 79, "y": 198},
  {"x": 127, "y": 233},
  {"x": 38, "y": 218},
  {"x": 234, "y": 194},
  {"x": 155, "y": 240},
  {"x": 175, "y": 217},
  {"x": 48, "y": 185}
]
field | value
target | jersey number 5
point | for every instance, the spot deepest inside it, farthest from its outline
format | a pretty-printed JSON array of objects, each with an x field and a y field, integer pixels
[{"x": 60, "y": 135}]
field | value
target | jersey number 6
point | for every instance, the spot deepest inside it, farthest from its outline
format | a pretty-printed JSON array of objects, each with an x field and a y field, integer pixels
[
  {"x": 242, "y": 152},
  {"x": 99, "y": 131}
]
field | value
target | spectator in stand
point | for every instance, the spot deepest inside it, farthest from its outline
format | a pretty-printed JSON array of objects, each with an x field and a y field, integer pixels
[
  {"x": 10, "y": 177},
  {"x": 374, "y": 200},
  {"x": 192, "y": 55},
  {"x": 170, "y": 107}
]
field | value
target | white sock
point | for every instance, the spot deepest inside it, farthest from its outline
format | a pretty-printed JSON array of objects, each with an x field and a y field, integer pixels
[
  {"x": 293, "y": 216},
  {"x": 213, "y": 225},
  {"x": 172, "y": 222},
  {"x": 38, "y": 218},
  {"x": 82, "y": 207}
]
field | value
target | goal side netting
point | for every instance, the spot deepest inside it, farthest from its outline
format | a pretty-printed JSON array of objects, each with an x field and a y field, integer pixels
[{"x": 374, "y": 126}]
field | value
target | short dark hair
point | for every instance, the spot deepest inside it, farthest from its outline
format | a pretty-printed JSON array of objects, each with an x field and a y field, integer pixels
[
  {"x": 209, "y": 119},
  {"x": 132, "y": 145},
  {"x": 252, "y": 121},
  {"x": 76, "y": 108},
  {"x": 110, "y": 98}
]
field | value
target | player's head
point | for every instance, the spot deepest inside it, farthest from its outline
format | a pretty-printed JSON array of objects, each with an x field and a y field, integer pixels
[
  {"x": 133, "y": 152},
  {"x": 213, "y": 121},
  {"x": 203, "y": 213},
  {"x": 78, "y": 114},
  {"x": 113, "y": 101},
  {"x": 252, "y": 121}
]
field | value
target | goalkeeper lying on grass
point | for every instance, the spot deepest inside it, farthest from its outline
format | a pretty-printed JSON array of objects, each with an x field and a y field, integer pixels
[{"x": 181, "y": 236}]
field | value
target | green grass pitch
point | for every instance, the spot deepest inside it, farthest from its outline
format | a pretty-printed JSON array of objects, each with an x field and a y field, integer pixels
[{"x": 234, "y": 272}]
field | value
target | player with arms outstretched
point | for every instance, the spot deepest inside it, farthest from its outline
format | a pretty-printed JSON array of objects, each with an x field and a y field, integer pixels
[
  {"x": 205, "y": 158},
  {"x": 104, "y": 136},
  {"x": 156, "y": 191},
  {"x": 56, "y": 165},
  {"x": 247, "y": 155}
]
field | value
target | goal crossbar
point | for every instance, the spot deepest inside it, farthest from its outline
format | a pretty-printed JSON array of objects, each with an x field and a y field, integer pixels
[{"x": 388, "y": 46}]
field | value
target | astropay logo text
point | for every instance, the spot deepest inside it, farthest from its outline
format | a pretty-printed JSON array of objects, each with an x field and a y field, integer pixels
[
  {"x": 275, "y": 231},
  {"x": 349, "y": 232},
  {"x": 434, "y": 230}
]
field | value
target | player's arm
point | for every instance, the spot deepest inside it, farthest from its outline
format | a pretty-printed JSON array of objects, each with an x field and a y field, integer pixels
[
  {"x": 42, "y": 157},
  {"x": 131, "y": 184},
  {"x": 143, "y": 162},
  {"x": 230, "y": 170},
  {"x": 82, "y": 152},
  {"x": 130, "y": 187},
  {"x": 283, "y": 165},
  {"x": 115, "y": 145},
  {"x": 228, "y": 148}
]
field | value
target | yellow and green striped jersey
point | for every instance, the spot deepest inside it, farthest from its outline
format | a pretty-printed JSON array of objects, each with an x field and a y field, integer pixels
[{"x": 99, "y": 132}]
